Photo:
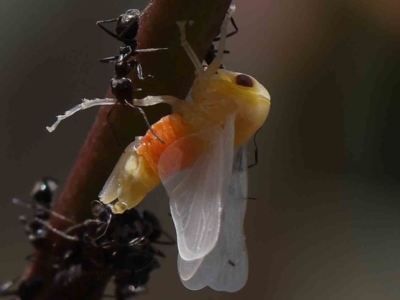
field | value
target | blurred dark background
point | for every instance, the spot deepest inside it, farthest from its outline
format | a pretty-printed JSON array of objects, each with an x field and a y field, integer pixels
[{"x": 326, "y": 221}]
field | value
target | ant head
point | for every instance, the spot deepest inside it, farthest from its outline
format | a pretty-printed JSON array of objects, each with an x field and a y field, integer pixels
[
  {"x": 101, "y": 212},
  {"x": 43, "y": 190},
  {"x": 128, "y": 24},
  {"x": 122, "y": 89}
]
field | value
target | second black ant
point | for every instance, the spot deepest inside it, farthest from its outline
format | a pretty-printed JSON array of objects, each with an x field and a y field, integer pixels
[{"x": 126, "y": 29}]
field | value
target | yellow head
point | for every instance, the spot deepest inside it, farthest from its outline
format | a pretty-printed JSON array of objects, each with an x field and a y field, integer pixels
[{"x": 226, "y": 91}]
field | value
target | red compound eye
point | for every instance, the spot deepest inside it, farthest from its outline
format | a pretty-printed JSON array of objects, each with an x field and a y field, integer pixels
[{"x": 244, "y": 80}]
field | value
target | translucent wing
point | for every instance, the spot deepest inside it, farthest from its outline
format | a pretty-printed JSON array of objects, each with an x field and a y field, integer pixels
[
  {"x": 225, "y": 268},
  {"x": 197, "y": 274},
  {"x": 234, "y": 271},
  {"x": 196, "y": 189}
]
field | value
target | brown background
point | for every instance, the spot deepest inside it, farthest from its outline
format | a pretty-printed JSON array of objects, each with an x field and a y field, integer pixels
[{"x": 326, "y": 221}]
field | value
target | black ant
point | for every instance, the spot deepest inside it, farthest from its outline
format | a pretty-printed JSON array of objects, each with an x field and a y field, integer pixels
[
  {"x": 37, "y": 230},
  {"x": 127, "y": 26},
  {"x": 122, "y": 243},
  {"x": 118, "y": 244},
  {"x": 211, "y": 53},
  {"x": 42, "y": 199}
]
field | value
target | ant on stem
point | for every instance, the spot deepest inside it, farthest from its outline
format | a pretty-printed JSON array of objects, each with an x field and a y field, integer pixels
[{"x": 127, "y": 27}]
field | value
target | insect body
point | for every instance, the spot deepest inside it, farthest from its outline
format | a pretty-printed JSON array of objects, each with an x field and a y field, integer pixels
[
  {"x": 196, "y": 164},
  {"x": 204, "y": 141}
]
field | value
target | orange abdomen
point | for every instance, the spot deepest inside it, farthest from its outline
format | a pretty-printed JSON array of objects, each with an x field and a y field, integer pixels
[
  {"x": 173, "y": 131},
  {"x": 170, "y": 129}
]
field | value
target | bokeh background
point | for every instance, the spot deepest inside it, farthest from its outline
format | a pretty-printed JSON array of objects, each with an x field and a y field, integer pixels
[{"x": 327, "y": 217}]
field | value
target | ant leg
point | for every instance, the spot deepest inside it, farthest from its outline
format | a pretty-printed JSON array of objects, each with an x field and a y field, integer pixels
[
  {"x": 56, "y": 231},
  {"x": 112, "y": 129},
  {"x": 236, "y": 30},
  {"x": 225, "y": 51},
  {"x": 107, "y": 21},
  {"x": 100, "y": 24},
  {"x": 214, "y": 66},
  {"x": 146, "y": 120},
  {"x": 235, "y": 27},
  {"x": 85, "y": 223},
  {"x": 139, "y": 69},
  {"x": 45, "y": 209},
  {"x": 109, "y": 59},
  {"x": 149, "y": 50},
  {"x": 255, "y": 150},
  {"x": 109, "y": 32}
]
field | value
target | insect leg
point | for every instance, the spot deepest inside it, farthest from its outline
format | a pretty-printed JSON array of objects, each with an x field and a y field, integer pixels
[
  {"x": 100, "y": 24},
  {"x": 109, "y": 59},
  {"x": 214, "y": 66},
  {"x": 56, "y": 231},
  {"x": 235, "y": 31},
  {"x": 45, "y": 209},
  {"x": 145, "y": 119},
  {"x": 255, "y": 151},
  {"x": 235, "y": 27},
  {"x": 139, "y": 69},
  {"x": 112, "y": 129}
]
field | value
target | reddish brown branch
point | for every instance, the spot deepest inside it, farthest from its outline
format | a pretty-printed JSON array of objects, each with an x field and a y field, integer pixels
[{"x": 173, "y": 75}]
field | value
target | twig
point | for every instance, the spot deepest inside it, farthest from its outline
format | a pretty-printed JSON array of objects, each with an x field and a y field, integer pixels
[{"x": 173, "y": 75}]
